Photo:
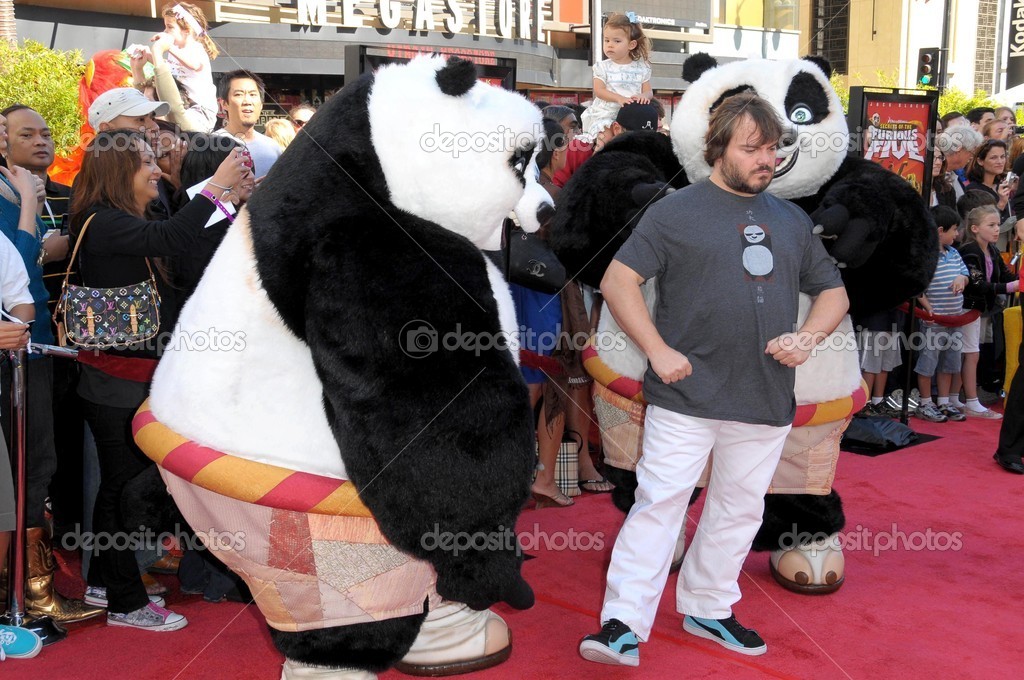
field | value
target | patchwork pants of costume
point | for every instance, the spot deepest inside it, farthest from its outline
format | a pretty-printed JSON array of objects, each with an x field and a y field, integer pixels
[{"x": 676, "y": 449}]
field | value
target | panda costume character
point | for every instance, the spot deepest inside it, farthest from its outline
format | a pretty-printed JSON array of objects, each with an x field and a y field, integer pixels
[
  {"x": 350, "y": 448},
  {"x": 876, "y": 227}
]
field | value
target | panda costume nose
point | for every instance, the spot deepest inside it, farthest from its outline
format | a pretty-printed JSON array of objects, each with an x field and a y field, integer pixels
[{"x": 788, "y": 142}]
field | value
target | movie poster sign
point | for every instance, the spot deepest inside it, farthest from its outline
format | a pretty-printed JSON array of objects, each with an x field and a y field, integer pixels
[{"x": 896, "y": 130}]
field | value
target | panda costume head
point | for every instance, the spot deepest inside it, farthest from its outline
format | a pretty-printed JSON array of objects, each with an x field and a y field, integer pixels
[
  {"x": 422, "y": 141},
  {"x": 816, "y": 137}
]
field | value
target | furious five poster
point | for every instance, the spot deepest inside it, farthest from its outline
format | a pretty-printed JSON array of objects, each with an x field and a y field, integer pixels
[{"x": 896, "y": 129}]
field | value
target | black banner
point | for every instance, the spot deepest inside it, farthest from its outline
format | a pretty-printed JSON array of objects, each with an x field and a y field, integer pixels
[{"x": 1015, "y": 61}]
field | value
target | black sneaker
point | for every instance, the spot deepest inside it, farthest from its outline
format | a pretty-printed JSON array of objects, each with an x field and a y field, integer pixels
[
  {"x": 952, "y": 413},
  {"x": 879, "y": 410},
  {"x": 616, "y": 644},
  {"x": 728, "y": 633}
]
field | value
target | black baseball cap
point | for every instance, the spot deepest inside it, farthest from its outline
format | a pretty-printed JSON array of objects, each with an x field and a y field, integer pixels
[{"x": 638, "y": 117}]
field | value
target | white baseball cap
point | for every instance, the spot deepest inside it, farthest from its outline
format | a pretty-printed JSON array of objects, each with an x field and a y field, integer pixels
[{"x": 123, "y": 101}]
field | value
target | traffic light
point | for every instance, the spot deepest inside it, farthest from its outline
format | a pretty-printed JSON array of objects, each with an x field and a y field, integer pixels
[{"x": 928, "y": 67}]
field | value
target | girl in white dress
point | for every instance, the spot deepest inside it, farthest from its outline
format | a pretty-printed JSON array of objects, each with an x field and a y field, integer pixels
[{"x": 624, "y": 77}]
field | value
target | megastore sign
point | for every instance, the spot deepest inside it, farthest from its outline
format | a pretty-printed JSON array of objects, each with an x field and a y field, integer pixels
[{"x": 514, "y": 19}]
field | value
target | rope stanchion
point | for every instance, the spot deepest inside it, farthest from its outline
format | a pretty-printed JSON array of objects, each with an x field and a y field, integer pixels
[
  {"x": 948, "y": 320},
  {"x": 48, "y": 630}
]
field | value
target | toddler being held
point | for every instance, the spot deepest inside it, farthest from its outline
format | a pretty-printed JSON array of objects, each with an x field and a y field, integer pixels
[
  {"x": 188, "y": 50},
  {"x": 624, "y": 77}
]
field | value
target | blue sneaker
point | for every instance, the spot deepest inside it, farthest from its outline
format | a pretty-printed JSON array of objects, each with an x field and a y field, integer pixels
[
  {"x": 616, "y": 644},
  {"x": 18, "y": 643},
  {"x": 728, "y": 633}
]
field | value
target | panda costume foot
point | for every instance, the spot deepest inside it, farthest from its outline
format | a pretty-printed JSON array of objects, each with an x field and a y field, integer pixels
[
  {"x": 296, "y": 670},
  {"x": 815, "y": 568},
  {"x": 455, "y": 639}
]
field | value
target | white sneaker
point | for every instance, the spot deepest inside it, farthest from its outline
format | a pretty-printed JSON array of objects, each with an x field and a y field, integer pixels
[
  {"x": 97, "y": 597},
  {"x": 987, "y": 414},
  {"x": 151, "y": 617}
]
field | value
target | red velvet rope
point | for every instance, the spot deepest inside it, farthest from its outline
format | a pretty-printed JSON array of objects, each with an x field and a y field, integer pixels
[
  {"x": 540, "y": 362},
  {"x": 136, "y": 369},
  {"x": 951, "y": 320}
]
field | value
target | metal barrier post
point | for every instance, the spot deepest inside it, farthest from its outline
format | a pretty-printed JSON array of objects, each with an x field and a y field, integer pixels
[{"x": 48, "y": 630}]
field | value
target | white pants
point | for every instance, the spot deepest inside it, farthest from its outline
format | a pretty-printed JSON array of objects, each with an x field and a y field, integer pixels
[{"x": 676, "y": 449}]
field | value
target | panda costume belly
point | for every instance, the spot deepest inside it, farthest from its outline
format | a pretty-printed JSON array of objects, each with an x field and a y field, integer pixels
[
  {"x": 230, "y": 406},
  {"x": 217, "y": 397}
]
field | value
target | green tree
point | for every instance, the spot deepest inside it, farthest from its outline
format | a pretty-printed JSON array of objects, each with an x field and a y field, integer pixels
[
  {"x": 46, "y": 80},
  {"x": 954, "y": 99},
  {"x": 842, "y": 89}
]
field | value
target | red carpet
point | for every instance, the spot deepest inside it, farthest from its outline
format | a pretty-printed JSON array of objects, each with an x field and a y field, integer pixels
[{"x": 905, "y": 609}]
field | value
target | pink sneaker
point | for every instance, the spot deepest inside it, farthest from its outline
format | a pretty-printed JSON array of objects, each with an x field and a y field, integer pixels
[
  {"x": 987, "y": 414},
  {"x": 150, "y": 617}
]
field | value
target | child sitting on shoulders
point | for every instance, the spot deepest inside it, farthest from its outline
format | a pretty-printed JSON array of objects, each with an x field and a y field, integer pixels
[
  {"x": 624, "y": 77},
  {"x": 188, "y": 50}
]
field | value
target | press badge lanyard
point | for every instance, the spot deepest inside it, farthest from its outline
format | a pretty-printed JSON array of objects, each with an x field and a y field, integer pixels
[{"x": 53, "y": 220}]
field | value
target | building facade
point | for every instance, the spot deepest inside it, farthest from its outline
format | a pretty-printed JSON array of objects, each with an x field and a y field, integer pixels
[
  {"x": 879, "y": 42},
  {"x": 305, "y": 49}
]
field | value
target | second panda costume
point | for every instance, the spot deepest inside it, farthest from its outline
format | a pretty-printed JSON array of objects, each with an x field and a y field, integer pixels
[{"x": 873, "y": 223}]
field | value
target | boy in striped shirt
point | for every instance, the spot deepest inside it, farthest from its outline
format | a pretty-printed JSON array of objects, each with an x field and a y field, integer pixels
[{"x": 941, "y": 350}]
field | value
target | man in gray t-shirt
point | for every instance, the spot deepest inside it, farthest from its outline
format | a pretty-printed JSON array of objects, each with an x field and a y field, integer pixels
[{"x": 730, "y": 261}]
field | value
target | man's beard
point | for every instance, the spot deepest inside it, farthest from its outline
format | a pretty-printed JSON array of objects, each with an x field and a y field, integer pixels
[{"x": 737, "y": 182}]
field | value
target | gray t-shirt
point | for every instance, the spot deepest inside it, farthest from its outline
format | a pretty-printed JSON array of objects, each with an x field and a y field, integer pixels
[
  {"x": 728, "y": 271},
  {"x": 263, "y": 149}
]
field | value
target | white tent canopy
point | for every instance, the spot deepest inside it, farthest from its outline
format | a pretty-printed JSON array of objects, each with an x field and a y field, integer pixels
[{"x": 1011, "y": 96}]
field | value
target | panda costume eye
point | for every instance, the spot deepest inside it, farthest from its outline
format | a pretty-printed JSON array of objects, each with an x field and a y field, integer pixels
[
  {"x": 801, "y": 114},
  {"x": 521, "y": 159}
]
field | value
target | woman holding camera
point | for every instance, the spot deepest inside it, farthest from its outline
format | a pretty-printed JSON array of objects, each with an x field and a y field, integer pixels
[
  {"x": 986, "y": 173},
  {"x": 117, "y": 182},
  {"x": 205, "y": 156}
]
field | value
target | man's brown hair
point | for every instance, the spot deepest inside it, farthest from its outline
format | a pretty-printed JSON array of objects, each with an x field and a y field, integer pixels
[{"x": 727, "y": 117}]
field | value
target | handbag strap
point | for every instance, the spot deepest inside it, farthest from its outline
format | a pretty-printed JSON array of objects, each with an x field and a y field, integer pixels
[{"x": 74, "y": 253}]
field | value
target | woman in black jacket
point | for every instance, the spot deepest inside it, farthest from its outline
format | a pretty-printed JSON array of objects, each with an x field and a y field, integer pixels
[
  {"x": 118, "y": 180},
  {"x": 987, "y": 172}
]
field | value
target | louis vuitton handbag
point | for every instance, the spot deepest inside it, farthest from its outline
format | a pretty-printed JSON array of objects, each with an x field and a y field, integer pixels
[{"x": 104, "y": 318}]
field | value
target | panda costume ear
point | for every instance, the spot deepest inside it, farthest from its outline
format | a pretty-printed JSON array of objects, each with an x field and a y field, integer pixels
[
  {"x": 457, "y": 77},
  {"x": 820, "y": 62},
  {"x": 696, "y": 65}
]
